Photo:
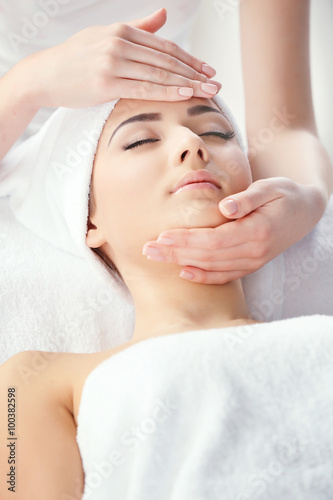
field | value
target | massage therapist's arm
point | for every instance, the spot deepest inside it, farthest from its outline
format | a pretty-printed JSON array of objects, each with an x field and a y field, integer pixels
[
  {"x": 99, "y": 64},
  {"x": 18, "y": 105},
  {"x": 280, "y": 122},
  {"x": 47, "y": 463}
]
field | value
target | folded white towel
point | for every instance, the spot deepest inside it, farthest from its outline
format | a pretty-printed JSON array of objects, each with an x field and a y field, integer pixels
[
  {"x": 49, "y": 184},
  {"x": 203, "y": 415},
  {"x": 48, "y": 300}
]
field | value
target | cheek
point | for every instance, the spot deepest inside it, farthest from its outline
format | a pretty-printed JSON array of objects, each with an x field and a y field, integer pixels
[
  {"x": 119, "y": 187},
  {"x": 237, "y": 172},
  {"x": 243, "y": 178},
  {"x": 126, "y": 197}
]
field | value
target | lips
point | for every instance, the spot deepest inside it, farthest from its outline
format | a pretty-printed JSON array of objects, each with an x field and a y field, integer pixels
[{"x": 195, "y": 177}]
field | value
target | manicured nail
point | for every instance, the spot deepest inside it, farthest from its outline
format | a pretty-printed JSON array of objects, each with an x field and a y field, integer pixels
[
  {"x": 208, "y": 70},
  {"x": 185, "y": 91},
  {"x": 215, "y": 82},
  {"x": 165, "y": 241},
  {"x": 159, "y": 258},
  {"x": 187, "y": 275},
  {"x": 230, "y": 206},
  {"x": 151, "y": 251},
  {"x": 209, "y": 88}
]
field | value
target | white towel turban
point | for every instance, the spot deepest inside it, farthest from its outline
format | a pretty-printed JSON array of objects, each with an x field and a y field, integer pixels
[{"x": 49, "y": 194}]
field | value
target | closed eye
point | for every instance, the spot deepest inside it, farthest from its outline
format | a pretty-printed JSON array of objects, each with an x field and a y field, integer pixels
[
  {"x": 139, "y": 143},
  {"x": 227, "y": 135}
]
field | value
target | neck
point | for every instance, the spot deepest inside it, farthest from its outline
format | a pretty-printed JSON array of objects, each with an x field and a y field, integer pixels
[{"x": 165, "y": 303}]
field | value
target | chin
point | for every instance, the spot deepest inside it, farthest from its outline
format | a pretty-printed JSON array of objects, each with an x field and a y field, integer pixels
[{"x": 199, "y": 215}]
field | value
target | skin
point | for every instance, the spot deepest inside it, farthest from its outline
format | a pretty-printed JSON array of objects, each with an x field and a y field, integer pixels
[{"x": 49, "y": 385}]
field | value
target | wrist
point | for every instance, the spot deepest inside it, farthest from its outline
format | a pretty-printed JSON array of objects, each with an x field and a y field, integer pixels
[
  {"x": 26, "y": 88},
  {"x": 316, "y": 203},
  {"x": 296, "y": 154}
]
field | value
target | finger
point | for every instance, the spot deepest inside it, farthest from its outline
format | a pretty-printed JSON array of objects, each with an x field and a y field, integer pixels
[
  {"x": 151, "y": 23},
  {"x": 154, "y": 64},
  {"x": 256, "y": 195},
  {"x": 132, "y": 70},
  {"x": 241, "y": 257},
  {"x": 135, "y": 89},
  {"x": 210, "y": 277},
  {"x": 227, "y": 235},
  {"x": 209, "y": 259},
  {"x": 153, "y": 41},
  {"x": 215, "y": 82}
]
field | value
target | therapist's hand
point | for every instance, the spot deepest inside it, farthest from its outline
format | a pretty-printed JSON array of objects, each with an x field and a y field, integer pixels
[
  {"x": 272, "y": 215},
  {"x": 122, "y": 60}
]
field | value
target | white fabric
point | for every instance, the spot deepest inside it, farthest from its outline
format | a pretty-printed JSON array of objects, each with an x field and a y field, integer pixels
[
  {"x": 298, "y": 281},
  {"x": 49, "y": 176},
  {"x": 204, "y": 415},
  {"x": 48, "y": 303}
]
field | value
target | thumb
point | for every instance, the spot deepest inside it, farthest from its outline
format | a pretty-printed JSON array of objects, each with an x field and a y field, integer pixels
[
  {"x": 256, "y": 195},
  {"x": 151, "y": 23}
]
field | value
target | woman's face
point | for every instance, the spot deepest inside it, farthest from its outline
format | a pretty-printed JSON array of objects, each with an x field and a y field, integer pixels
[{"x": 146, "y": 149}]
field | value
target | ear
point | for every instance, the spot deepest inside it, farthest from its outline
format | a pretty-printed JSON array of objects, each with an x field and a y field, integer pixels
[{"x": 94, "y": 236}]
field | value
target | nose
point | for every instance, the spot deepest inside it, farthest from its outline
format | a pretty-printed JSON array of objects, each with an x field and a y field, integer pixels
[{"x": 191, "y": 148}]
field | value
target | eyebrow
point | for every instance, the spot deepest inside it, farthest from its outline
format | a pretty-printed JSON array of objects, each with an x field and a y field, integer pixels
[{"x": 150, "y": 117}]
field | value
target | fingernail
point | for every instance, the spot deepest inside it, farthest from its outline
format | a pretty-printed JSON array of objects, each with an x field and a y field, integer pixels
[
  {"x": 208, "y": 70},
  {"x": 209, "y": 88},
  {"x": 151, "y": 251},
  {"x": 214, "y": 82},
  {"x": 187, "y": 275},
  {"x": 165, "y": 241},
  {"x": 159, "y": 258},
  {"x": 230, "y": 206},
  {"x": 185, "y": 91}
]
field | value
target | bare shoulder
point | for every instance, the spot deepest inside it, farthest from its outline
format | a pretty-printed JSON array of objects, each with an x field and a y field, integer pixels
[
  {"x": 58, "y": 378},
  {"x": 41, "y": 394},
  {"x": 42, "y": 457},
  {"x": 26, "y": 366},
  {"x": 39, "y": 372}
]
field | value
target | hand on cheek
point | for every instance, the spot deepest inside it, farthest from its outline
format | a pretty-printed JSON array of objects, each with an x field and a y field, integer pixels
[{"x": 255, "y": 234}]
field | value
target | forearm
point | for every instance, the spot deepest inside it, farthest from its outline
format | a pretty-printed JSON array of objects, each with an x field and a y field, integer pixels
[
  {"x": 299, "y": 156},
  {"x": 18, "y": 104},
  {"x": 280, "y": 122},
  {"x": 296, "y": 154}
]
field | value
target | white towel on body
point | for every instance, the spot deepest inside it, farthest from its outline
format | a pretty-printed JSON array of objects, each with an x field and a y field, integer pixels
[{"x": 230, "y": 413}]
